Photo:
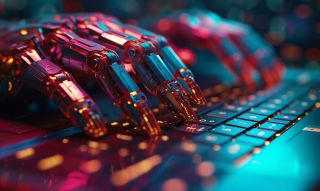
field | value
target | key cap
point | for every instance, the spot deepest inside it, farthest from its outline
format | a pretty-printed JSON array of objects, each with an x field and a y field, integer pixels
[
  {"x": 272, "y": 126},
  {"x": 222, "y": 113},
  {"x": 215, "y": 105},
  {"x": 227, "y": 130},
  {"x": 212, "y": 138},
  {"x": 253, "y": 117},
  {"x": 235, "y": 108},
  {"x": 203, "y": 109},
  {"x": 229, "y": 152},
  {"x": 245, "y": 103},
  {"x": 270, "y": 106},
  {"x": 273, "y": 120},
  {"x": 208, "y": 120},
  {"x": 251, "y": 140},
  {"x": 292, "y": 112},
  {"x": 262, "y": 111},
  {"x": 193, "y": 128},
  {"x": 241, "y": 123},
  {"x": 278, "y": 101},
  {"x": 309, "y": 99},
  {"x": 260, "y": 133},
  {"x": 285, "y": 117},
  {"x": 301, "y": 105},
  {"x": 200, "y": 110},
  {"x": 313, "y": 96}
]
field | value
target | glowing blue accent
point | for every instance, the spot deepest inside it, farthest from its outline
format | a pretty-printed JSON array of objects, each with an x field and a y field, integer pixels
[{"x": 102, "y": 26}]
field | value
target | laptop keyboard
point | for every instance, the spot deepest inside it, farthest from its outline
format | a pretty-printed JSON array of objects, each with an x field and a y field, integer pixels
[
  {"x": 233, "y": 128},
  {"x": 233, "y": 120}
]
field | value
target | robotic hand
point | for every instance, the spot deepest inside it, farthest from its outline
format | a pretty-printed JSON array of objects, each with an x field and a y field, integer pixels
[
  {"x": 38, "y": 54},
  {"x": 234, "y": 44}
]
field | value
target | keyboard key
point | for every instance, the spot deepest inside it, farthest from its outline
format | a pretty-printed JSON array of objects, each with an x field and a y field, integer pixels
[
  {"x": 262, "y": 111},
  {"x": 241, "y": 123},
  {"x": 253, "y": 117},
  {"x": 200, "y": 110},
  {"x": 193, "y": 128},
  {"x": 301, "y": 105},
  {"x": 313, "y": 96},
  {"x": 245, "y": 103},
  {"x": 212, "y": 139},
  {"x": 203, "y": 109},
  {"x": 208, "y": 120},
  {"x": 235, "y": 108},
  {"x": 278, "y": 101},
  {"x": 270, "y": 106},
  {"x": 251, "y": 140},
  {"x": 285, "y": 122},
  {"x": 285, "y": 117},
  {"x": 292, "y": 112},
  {"x": 215, "y": 105},
  {"x": 272, "y": 126},
  {"x": 222, "y": 113},
  {"x": 260, "y": 133},
  {"x": 227, "y": 130},
  {"x": 230, "y": 152}
]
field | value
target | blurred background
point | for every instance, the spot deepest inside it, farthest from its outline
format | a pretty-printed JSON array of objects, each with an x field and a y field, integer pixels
[{"x": 291, "y": 26}]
